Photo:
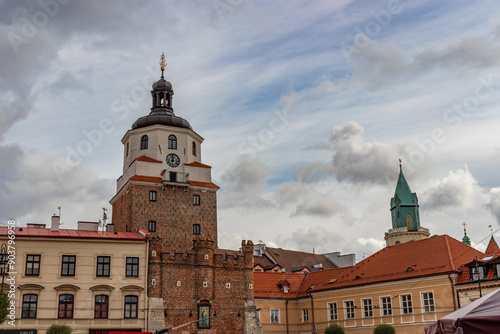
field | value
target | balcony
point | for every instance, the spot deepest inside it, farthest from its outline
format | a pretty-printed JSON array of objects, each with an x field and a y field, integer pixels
[{"x": 175, "y": 177}]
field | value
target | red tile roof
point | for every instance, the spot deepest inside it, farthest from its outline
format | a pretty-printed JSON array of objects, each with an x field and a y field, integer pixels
[
  {"x": 198, "y": 164},
  {"x": 204, "y": 184},
  {"x": 147, "y": 178},
  {"x": 492, "y": 247},
  {"x": 148, "y": 159},
  {"x": 266, "y": 285},
  {"x": 72, "y": 234},
  {"x": 433, "y": 256}
]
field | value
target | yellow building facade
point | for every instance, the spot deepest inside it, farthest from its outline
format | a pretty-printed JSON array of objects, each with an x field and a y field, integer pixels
[{"x": 92, "y": 281}]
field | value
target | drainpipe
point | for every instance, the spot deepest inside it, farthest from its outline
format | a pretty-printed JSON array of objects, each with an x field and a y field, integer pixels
[
  {"x": 452, "y": 293},
  {"x": 286, "y": 313},
  {"x": 312, "y": 313}
]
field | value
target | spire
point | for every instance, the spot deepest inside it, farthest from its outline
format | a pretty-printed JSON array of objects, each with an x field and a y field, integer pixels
[
  {"x": 162, "y": 93},
  {"x": 465, "y": 239},
  {"x": 492, "y": 247},
  {"x": 404, "y": 205}
]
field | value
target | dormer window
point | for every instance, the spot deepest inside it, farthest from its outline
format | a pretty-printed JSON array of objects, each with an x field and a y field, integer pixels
[
  {"x": 172, "y": 142},
  {"x": 477, "y": 273},
  {"x": 144, "y": 142}
]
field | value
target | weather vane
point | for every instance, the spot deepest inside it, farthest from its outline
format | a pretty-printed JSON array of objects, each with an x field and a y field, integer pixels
[{"x": 162, "y": 64}]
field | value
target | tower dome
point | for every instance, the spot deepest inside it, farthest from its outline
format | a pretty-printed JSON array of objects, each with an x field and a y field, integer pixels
[{"x": 162, "y": 111}]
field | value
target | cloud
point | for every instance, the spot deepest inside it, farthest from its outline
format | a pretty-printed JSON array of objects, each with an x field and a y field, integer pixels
[
  {"x": 379, "y": 64},
  {"x": 458, "y": 189},
  {"x": 316, "y": 237},
  {"x": 245, "y": 182},
  {"x": 358, "y": 161},
  {"x": 493, "y": 203},
  {"x": 322, "y": 207},
  {"x": 30, "y": 190}
]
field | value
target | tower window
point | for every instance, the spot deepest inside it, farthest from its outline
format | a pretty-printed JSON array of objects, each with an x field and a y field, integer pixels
[
  {"x": 409, "y": 222},
  {"x": 144, "y": 142},
  {"x": 172, "y": 142},
  {"x": 152, "y": 196},
  {"x": 152, "y": 226},
  {"x": 196, "y": 199},
  {"x": 196, "y": 229},
  {"x": 126, "y": 150},
  {"x": 194, "y": 148}
]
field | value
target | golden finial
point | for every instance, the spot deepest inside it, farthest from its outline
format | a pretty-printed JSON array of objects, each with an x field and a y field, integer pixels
[
  {"x": 162, "y": 63},
  {"x": 400, "y": 162},
  {"x": 464, "y": 225}
]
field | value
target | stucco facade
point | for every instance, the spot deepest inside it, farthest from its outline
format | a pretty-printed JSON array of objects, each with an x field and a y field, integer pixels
[{"x": 88, "y": 280}]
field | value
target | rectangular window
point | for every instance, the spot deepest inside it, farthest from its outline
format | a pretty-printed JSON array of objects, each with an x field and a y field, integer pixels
[
  {"x": 29, "y": 306},
  {"x": 386, "y": 305},
  {"x": 367, "y": 308},
  {"x": 68, "y": 265},
  {"x": 152, "y": 226},
  {"x": 4, "y": 258},
  {"x": 196, "y": 229},
  {"x": 103, "y": 265},
  {"x": 65, "y": 306},
  {"x": 152, "y": 196},
  {"x": 101, "y": 307},
  {"x": 332, "y": 311},
  {"x": 406, "y": 304},
  {"x": 196, "y": 199},
  {"x": 349, "y": 309},
  {"x": 275, "y": 316},
  {"x": 305, "y": 315},
  {"x": 33, "y": 265},
  {"x": 428, "y": 300},
  {"x": 132, "y": 266},
  {"x": 477, "y": 273},
  {"x": 130, "y": 307}
]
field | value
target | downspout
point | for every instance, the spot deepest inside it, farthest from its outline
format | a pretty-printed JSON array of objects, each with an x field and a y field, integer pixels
[
  {"x": 146, "y": 314},
  {"x": 312, "y": 313},
  {"x": 453, "y": 293},
  {"x": 286, "y": 314}
]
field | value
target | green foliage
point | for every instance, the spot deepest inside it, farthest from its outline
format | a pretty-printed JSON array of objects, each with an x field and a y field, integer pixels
[
  {"x": 384, "y": 329},
  {"x": 59, "y": 329},
  {"x": 4, "y": 303},
  {"x": 334, "y": 329}
]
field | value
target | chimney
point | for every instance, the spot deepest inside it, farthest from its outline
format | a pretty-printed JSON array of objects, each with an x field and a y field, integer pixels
[{"x": 55, "y": 223}]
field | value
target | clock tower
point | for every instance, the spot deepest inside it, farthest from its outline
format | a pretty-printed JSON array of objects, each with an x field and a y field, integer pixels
[{"x": 166, "y": 190}]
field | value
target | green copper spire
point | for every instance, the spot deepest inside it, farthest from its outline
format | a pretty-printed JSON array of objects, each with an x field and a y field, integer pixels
[
  {"x": 465, "y": 239},
  {"x": 404, "y": 205}
]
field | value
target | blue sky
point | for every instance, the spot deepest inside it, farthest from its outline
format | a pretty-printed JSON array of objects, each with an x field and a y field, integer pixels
[{"x": 305, "y": 108}]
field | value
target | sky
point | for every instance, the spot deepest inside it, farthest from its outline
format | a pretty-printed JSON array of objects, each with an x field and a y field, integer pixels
[{"x": 306, "y": 108}]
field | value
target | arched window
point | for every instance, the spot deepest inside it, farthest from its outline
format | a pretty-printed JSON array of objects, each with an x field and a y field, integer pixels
[
  {"x": 172, "y": 142},
  {"x": 194, "y": 148},
  {"x": 409, "y": 222},
  {"x": 144, "y": 142}
]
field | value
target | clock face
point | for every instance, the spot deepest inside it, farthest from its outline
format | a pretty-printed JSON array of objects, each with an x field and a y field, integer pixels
[{"x": 173, "y": 160}]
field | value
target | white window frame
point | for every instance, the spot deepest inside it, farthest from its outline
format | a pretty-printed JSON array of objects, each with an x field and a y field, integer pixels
[
  {"x": 348, "y": 309},
  {"x": 332, "y": 311},
  {"x": 367, "y": 304},
  {"x": 408, "y": 308},
  {"x": 431, "y": 306},
  {"x": 305, "y": 315},
  {"x": 277, "y": 317},
  {"x": 384, "y": 309}
]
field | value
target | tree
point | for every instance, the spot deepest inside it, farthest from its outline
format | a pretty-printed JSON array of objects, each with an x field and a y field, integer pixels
[
  {"x": 4, "y": 304},
  {"x": 384, "y": 329},
  {"x": 334, "y": 329},
  {"x": 59, "y": 329}
]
